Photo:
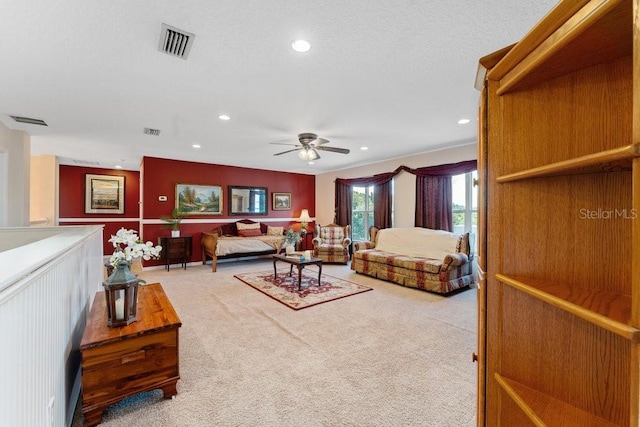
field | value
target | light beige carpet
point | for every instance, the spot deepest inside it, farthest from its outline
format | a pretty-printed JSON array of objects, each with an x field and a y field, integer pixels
[
  {"x": 392, "y": 357},
  {"x": 284, "y": 287}
]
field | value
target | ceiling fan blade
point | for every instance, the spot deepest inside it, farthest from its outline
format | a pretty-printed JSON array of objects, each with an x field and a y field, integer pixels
[
  {"x": 335, "y": 149},
  {"x": 319, "y": 141},
  {"x": 288, "y": 151},
  {"x": 284, "y": 143}
]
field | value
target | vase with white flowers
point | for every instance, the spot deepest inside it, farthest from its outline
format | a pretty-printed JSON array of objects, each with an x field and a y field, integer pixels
[
  {"x": 291, "y": 238},
  {"x": 121, "y": 287},
  {"x": 128, "y": 246}
]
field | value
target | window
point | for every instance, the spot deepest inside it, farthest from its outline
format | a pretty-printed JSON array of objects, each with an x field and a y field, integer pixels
[
  {"x": 465, "y": 203},
  {"x": 361, "y": 212}
]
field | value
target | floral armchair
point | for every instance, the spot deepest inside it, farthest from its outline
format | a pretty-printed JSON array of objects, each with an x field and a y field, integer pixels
[{"x": 331, "y": 243}]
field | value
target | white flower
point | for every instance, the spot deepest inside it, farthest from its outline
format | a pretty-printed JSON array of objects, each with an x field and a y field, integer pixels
[{"x": 129, "y": 247}]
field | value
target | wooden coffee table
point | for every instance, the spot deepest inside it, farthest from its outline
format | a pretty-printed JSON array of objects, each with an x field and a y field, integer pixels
[{"x": 300, "y": 263}]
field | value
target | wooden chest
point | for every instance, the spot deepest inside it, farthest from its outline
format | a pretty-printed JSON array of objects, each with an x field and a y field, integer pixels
[{"x": 120, "y": 362}]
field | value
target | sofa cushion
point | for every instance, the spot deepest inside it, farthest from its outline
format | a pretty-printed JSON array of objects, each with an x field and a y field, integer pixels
[
  {"x": 243, "y": 226},
  {"x": 252, "y": 232},
  {"x": 332, "y": 235},
  {"x": 402, "y": 261},
  {"x": 417, "y": 242},
  {"x": 275, "y": 231}
]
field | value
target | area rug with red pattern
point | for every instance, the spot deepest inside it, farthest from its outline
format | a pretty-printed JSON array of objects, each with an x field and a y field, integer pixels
[{"x": 284, "y": 288}]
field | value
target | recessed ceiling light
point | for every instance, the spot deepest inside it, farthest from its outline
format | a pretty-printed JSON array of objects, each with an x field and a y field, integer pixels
[
  {"x": 118, "y": 167},
  {"x": 364, "y": 148},
  {"x": 224, "y": 117},
  {"x": 463, "y": 121},
  {"x": 310, "y": 163},
  {"x": 301, "y": 46},
  {"x": 196, "y": 145}
]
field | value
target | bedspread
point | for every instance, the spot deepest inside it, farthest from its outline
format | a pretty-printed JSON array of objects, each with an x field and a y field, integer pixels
[{"x": 235, "y": 245}]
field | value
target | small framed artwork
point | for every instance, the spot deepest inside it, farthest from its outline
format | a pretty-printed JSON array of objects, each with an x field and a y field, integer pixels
[
  {"x": 281, "y": 201},
  {"x": 199, "y": 199},
  {"x": 104, "y": 194}
]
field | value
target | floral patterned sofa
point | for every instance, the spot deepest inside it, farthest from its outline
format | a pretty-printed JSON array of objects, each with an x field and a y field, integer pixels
[{"x": 431, "y": 260}]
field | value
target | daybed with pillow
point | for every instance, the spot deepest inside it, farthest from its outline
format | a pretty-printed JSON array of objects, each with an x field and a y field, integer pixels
[
  {"x": 243, "y": 238},
  {"x": 431, "y": 260}
]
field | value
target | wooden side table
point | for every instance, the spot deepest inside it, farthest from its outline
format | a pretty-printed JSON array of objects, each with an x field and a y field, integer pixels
[
  {"x": 175, "y": 248},
  {"x": 306, "y": 242},
  {"x": 121, "y": 362}
]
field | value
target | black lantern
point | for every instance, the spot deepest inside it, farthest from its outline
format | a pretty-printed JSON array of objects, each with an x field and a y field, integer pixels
[{"x": 121, "y": 290}]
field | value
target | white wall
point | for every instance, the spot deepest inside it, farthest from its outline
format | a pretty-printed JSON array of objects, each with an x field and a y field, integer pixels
[
  {"x": 15, "y": 152},
  {"x": 405, "y": 183}
]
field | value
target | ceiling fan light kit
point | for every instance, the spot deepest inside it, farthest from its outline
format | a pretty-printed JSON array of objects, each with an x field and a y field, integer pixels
[{"x": 308, "y": 155}]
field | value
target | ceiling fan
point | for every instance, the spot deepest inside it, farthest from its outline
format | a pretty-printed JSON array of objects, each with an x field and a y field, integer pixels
[{"x": 309, "y": 144}]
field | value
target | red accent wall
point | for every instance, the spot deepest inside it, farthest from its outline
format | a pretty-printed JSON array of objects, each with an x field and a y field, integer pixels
[
  {"x": 160, "y": 176},
  {"x": 72, "y": 196}
]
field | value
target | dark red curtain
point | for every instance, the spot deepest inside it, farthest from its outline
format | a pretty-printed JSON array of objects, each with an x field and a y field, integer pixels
[
  {"x": 383, "y": 205},
  {"x": 433, "y": 196},
  {"x": 433, "y": 202},
  {"x": 344, "y": 202},
  {"x": 382, "y": 197}
]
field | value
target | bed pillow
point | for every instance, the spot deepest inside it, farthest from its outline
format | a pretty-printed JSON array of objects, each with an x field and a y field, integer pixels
[
  {"x": 243, "y": 226},
  {"x": 250, "y": 233},
  {"x": 275, "y": 231}
]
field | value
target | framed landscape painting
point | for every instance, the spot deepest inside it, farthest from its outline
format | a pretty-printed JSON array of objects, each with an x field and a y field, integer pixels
[
  {"x": 199, "y": 199},
  {"x": 104, "y": 194},
  {"x": 281, "y": 201}
]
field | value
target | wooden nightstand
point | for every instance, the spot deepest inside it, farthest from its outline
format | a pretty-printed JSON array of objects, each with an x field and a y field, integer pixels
[
  {"x": 306, "y": 242},
  {"x": 176, "y": 249},
  {"x": 120, "y": 362}
]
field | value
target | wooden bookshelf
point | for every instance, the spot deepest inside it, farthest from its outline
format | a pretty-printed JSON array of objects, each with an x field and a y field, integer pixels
[
  {"x": 615, "y": 160},
  {"x": 543, "y": 410},
  {"x": 559, "y": 143},
  {"x": 607, "y": 310}
]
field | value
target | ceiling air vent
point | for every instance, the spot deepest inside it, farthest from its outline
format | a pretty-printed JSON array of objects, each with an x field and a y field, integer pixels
[
  {"x": 175, "y": 42},
  {"x": 29, "y": 120},
  {"x": 152, "y": 132}
]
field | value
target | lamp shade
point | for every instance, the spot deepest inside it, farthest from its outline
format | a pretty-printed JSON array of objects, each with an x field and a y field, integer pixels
[{"x": 304, "y": 216}]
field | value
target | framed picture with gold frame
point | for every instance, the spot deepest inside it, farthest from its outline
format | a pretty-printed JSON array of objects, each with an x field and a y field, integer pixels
[
  {"x": 104, "y": 194},
  {"x": 281, "y": 201},
  {"x": 196, "y": 199}
]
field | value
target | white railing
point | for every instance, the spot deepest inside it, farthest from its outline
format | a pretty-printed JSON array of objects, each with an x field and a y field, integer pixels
[{"x": 48, "y": 277}]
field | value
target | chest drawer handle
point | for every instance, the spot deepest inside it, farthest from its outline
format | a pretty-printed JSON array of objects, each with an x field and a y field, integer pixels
[{"x": 132, "y": 357}]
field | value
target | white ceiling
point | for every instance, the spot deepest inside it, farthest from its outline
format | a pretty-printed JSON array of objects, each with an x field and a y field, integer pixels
[{"x": 392, "y": 75}]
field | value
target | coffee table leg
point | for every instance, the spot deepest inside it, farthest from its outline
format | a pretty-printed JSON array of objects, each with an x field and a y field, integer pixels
[
  {"x": 319, "y": 274},
  {"x": 275, "y": 272},
  {"x": 300, "y": 267}
]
